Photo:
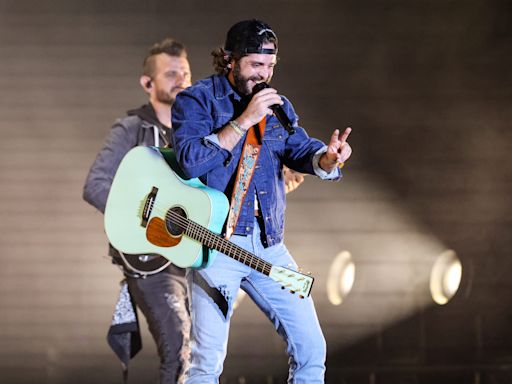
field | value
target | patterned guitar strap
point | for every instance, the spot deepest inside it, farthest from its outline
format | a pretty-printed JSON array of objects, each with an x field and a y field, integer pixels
[{"x": 245, "y": 171}]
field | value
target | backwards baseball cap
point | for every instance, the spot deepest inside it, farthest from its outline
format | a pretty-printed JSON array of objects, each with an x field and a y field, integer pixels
[{"x": 248, "y": 36}]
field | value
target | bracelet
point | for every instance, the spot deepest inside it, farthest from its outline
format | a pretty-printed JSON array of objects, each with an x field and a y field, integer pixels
[{"x": 236, "y": 127}]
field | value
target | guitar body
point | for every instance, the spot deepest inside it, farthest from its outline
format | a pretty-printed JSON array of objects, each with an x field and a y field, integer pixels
[{"x": 145, "y": 189}]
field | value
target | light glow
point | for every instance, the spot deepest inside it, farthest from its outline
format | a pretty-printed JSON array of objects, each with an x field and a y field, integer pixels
[
  {"x": 445, "y": 277},
  {"x": 341, "y": 278}
]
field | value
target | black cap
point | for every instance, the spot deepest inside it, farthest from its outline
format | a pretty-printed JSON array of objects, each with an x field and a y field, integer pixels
[{"x": 248, "y": 36}]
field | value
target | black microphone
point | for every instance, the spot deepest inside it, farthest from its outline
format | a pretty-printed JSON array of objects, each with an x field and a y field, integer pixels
[{"x": 277, "y": 109}]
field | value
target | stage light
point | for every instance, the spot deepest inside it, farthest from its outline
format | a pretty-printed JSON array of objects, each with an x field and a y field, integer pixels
[
  {"x": 445, "y": 277},
  {"x": 341, "y": 278}
]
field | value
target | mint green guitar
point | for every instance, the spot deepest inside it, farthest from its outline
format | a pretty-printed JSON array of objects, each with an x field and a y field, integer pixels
[{"x": 152, "y": 208}]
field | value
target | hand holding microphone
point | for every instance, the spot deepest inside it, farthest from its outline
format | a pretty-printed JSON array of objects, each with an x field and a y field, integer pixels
[
  {"x": 264, "y": 101},
  {"x": 277, "y": 109}
]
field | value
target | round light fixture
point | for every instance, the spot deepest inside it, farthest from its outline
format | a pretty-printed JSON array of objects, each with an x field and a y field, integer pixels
[
  {"x": 341, "y": 278},
  {"x": 445, "y": 277}
]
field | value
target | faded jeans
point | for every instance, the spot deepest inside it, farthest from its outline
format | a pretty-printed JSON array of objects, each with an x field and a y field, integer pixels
[{"x": 294, "y": 319}]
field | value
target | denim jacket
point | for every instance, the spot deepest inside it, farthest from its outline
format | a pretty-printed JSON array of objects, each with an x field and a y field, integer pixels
[{"x": 199, "y": 112}]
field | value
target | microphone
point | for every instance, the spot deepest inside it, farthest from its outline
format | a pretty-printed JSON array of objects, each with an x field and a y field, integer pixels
[{"x": 277, "y": 109}]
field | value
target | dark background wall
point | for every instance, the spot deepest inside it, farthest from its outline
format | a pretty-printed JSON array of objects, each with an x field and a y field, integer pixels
[{"x": 426, "y": 85}]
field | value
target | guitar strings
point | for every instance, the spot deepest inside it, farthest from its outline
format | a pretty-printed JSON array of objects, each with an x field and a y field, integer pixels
[{"x": 197, "y": 229}]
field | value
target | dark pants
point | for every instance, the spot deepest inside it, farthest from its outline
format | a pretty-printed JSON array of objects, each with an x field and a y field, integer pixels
[{"x": 162, "y": 297}]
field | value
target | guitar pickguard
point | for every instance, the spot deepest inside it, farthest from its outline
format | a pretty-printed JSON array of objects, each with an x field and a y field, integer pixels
[{"x": 157, "y": 234}]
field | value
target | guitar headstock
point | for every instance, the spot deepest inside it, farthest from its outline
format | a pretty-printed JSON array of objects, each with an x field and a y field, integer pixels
[{"x": 294, "y": 281}]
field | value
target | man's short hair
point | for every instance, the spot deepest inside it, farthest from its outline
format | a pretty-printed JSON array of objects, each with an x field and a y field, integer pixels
[{"x": 168, "y": 46}]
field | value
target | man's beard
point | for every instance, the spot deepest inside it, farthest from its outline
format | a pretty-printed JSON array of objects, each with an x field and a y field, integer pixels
[
  {"x": 166, "y": 97},
  {"x": 241, "y": 82}
]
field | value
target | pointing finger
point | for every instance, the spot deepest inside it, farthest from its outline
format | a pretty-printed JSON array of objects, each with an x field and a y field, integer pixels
[
  {"x": 345, "y": 134},
  {"x": 334, "y": 136}
]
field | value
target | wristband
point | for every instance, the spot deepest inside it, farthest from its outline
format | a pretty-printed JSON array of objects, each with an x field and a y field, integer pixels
[{"x": 236, "y": 127}]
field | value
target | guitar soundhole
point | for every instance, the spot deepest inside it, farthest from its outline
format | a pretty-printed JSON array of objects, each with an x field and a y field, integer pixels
[{"x": 176, "y": 221}]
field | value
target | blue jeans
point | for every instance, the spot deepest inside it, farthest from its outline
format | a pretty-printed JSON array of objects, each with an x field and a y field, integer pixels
[{"x": 294, "y": 318}]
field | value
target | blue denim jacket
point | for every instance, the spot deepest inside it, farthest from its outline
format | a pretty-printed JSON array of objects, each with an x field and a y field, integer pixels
[{"x": 199, "y": 112}]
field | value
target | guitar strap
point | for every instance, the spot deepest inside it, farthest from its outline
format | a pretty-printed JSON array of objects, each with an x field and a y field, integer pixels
[{"x": 245, "y": 171}]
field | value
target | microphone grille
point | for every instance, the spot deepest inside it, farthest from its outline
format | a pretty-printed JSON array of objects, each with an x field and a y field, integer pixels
[{"x": 258, "y": 87}]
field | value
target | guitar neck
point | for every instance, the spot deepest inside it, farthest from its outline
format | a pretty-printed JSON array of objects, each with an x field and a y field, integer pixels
[{"x": 214, "y": 241}]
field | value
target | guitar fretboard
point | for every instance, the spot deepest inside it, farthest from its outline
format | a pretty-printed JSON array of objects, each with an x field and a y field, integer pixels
[{"x": 214, "y": 241}]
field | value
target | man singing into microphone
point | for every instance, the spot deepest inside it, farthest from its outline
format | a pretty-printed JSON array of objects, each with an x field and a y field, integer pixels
[{"x": 229, "y": 136}]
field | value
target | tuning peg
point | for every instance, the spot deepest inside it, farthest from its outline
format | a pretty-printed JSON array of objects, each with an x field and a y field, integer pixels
[
  {"x": 292, "y": 292},
  {"x": 282, "y": 287},
  {"x": 301, "y": 296}
]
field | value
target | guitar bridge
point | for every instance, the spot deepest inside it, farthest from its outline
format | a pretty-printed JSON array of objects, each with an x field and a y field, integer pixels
[{"x": 148, "y": 207}]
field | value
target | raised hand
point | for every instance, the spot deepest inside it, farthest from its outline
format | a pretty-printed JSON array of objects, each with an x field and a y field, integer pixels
[
  {"x": 258, "y": 108},
  {"x": 338, "y": 151}
]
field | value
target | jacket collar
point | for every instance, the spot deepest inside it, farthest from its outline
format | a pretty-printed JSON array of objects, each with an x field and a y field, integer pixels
[{"x": 222, "y": 88}]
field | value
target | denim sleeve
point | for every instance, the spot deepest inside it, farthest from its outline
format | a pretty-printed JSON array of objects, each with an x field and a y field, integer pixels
[
  {"x": 196, "y": 149},
  {"x": 97, "y": 185},
  {"x": 300, "y": 149},
  {"x": 335, "y": 174}
]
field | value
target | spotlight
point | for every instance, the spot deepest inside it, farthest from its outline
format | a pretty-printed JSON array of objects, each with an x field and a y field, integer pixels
[
  {"x": 341, "y": 278},
  {"x": 445, "y": 277}
]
